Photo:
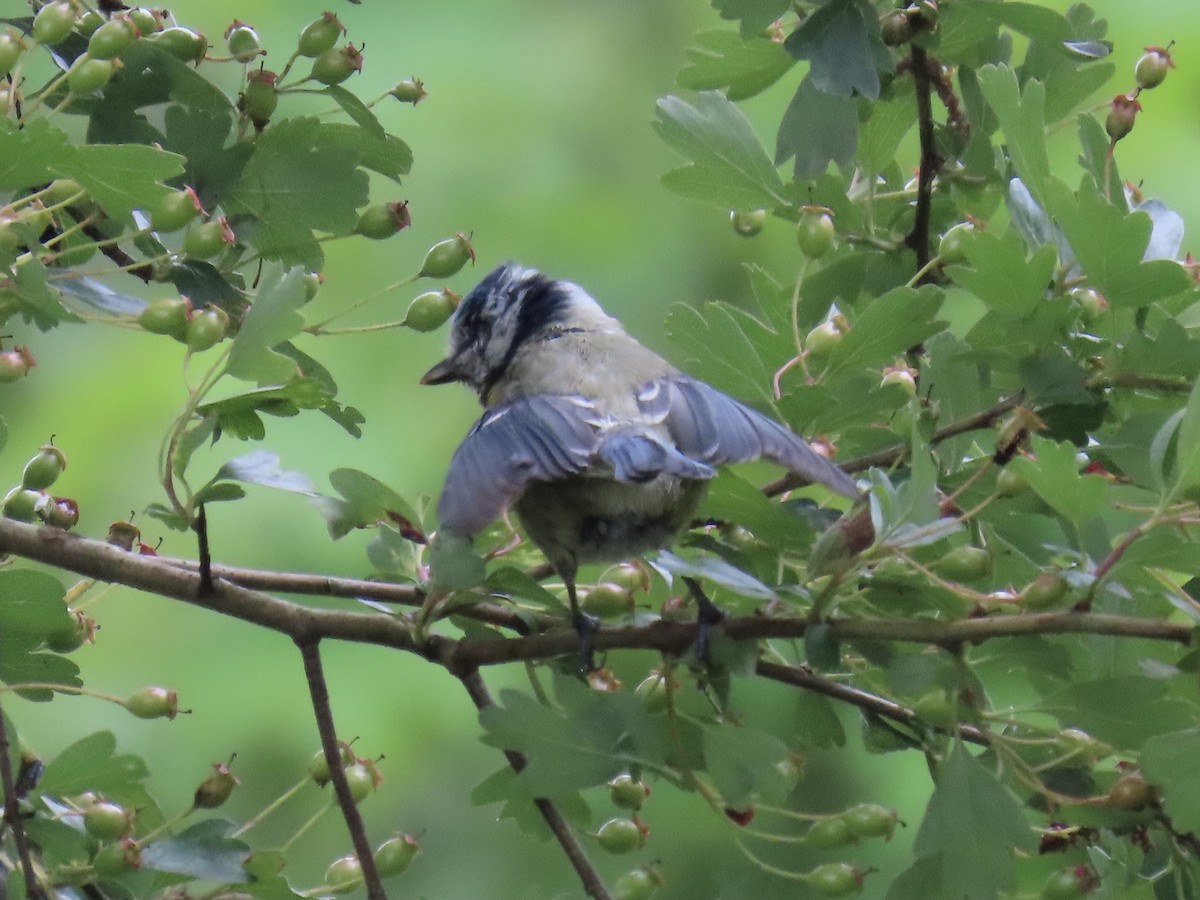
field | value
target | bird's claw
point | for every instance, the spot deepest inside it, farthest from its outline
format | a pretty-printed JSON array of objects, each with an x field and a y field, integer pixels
[{"x": 586, "y": 626}]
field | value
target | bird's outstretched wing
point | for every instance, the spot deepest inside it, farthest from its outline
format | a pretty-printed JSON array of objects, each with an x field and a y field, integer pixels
[
  {"x": 713, "y": 428},
  {"x": 538, "y": 438}
]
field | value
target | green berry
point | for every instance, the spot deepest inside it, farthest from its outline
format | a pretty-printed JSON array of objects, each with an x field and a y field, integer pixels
[
  {"x": 951, "y": 246},
  {"x": 216, "y": 788},
  {"x": 118, "y": 858},
  {"x": 1044, "y": 592},
  {"x": 111, "y": 38},
  {"x": 1010, "y": 483},
  {"x": 344, "y": 875},
  {"x": 382, "y": 220},
  {"x": 89, "y": 75},
  {"x": 1122, "y": 113},
  {"x": 23, "y": 505},
  {"x": 147, "y": 21},
  {"x": 167, "y": 316},
  {"x": 260, "y": 97},
  {"x": 965, "y": 564},
  {"x": 15, "y": 363},
  {"x": 337, "y": 64},
  {"x": 1151, "y": 69},
  {"x": 175, "y": 210},
  {"x": 1092, "y": 304},
  {"x": 607, "y": 599},
  {"x": 318, "y": 768},
  {"x": 107, "y": 821},
  {"x": 835, "y": 880},
  {"x": 429, "y": 311},
  {"x": 868, "y": 820},
  {"x": 53, "y": 23},
  {"x": 820, "y": 342},
  {"x": 410, "y": 90},
  {"x": 208, "y": 239},
  {"x": 749, "y": 223},
  {"x": 396, "y": 854},
  {"x": 87, "y": 24},
  {"x": 242, "y": 41},
  {"x": 43, "y": 469},
  {"x": 815, "y": 232},
  {"x": 446, "y": 258},
  {"x": 901, "y": 376},
  {"x": 206, "y": 328},
  {"x": 362, "y": 777},
  {"x": 320, "y": 35},
  {"x": 637, "y": 884},
  {"x": 182, "y": 43},
  {"x": 1131, "y": 792},
  {"x": 654, "y": 693},
  {"x": 153, "y": 703},
  {"x": 82, "y": 630},
  {"x": 622, "y": 835},
  {"x": 12, "y": 45},
  {"x": 827, "y": 834},
  {"x": 895, "y": 28},
  {"x": 626, "y": 792}
]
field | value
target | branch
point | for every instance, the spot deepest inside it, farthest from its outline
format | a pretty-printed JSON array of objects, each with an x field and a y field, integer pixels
[
  {"x": 318, "y": 689},
  {"x": 12, "y": 815},
  {"x": 559, "y": 826},
  {"x": 931, "y": 161}
]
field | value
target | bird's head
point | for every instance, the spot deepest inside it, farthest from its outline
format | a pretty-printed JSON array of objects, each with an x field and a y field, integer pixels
[{"x": 510, "y": 307}]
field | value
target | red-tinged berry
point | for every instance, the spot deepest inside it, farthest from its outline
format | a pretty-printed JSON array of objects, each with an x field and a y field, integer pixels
[
  {"x": 118, "y": 858},
  {"x": 654, "y": 693},
  {"x": 260, "y": 98},
  {"x": 12, "y": 45},
  {"x": 320, "y": 35},
  {"x": 111, "y": 38},
  {"x": 167, "y": 316},
  {"x": 1092, "y": 304},
  {"x": 362, "y": 777},
  {"x": 815, "y": 232},
  {"x": 429, "y": 311},
  {"x": 895, "y": 27},
  {"x": 344, "y": 875},
  {"x": 23, "y": 505},
  {"x": 207, "y": 239},
  {"x": 174, "y": 210},
  {"x": 153, "y": 703},
  {"x": 626, "y": 792},
  {"x": 748, "y": 223},
  {"x": 381, "y": 221},
  {"x": 965, "y": 564},
  {"x": 740, "y": 817},
  {"x": 835, "y": 880},
  {"x": 1121, "y": 115},
  {"x": 821, "y": 340},
  {"x": 410, "y": 90},
  {"x": 607, "y": 599},
  {"x": 622, "y": 835},
  {"x": 952, "y": 246},
  {"x": 44, "y": 468},
  {"x": 82, "y": 630},
  {"x": 337, "y": 64},
  {"x": 61, "y": 512},
  {"x": 15, "y": 364},
  {"x": 868, "y": 820},
  {"x": 637, "y": 884},
  {"x": 123, "y": 535},
  {"x": 1044, "y": 592},
  {"x": 828, "y": 834},
  {"x": 242, "y": 41},
  {"x": 446, "y": 258},
  {"x": 108, "y": 821},
  {"x": 1151, "y": 69},
  {"x": 147, "y": 21},
  {"x": 182, "y": 43},
  {"x": 396, "y": 854},
  {"x": 1131, "y": 792},
  {"x": 54, "y": 22},
  {"x": 206, "y": 328},
  {"x": 318, "y": 767},
  {"x": 216, "y": 788}
]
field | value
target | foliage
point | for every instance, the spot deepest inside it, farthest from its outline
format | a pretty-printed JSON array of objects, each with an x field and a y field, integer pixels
[{"x": 1003, "y": 348}]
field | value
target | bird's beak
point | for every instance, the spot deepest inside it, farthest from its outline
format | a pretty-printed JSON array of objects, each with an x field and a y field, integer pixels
[{"x": 444, "y": 372}]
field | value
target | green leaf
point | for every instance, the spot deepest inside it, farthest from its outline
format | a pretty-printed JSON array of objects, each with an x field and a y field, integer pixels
[
  {"x": 32, "y": 602},
  {"x": 1169, "y": 762},
  {"x": 92, "y": 764},
  {"x": 356, "y": 110},
  {"x": 517, "y": 584},
  {"x": 841, "y": 40},
  {"x": 204, "y": 851},
  {"x": 366, "y": 503},
  {"x": 262, "y": 467},
  {"x": 98, "y": 295},
  {"x": 120, "y": 177},
  {"x": 453, "y": 564},
  {"x": 745, "y": 763},
  {"x": 729, "y": 166},
  {"x": 891, "y": 119},
  {"x": 744, "y": 66},
  {"x": 734, "y": 499},
  {"x": 717, "y": 571},
  {"x": 974, "y": 825},
  {"x": 239, "y": 416},
  {"x": 1050, "y": 376},
  {"x": 199, "y": 136},
  {"x": 900, "y": 319},
  {"x": 3, "y": 434},
  {"x": 1001, "y": 276},
  {"x": 30, "y": 294},
  {"x": 222, "y": 492},
  {"x": 27, "y": 152},
  {"x": 387, "y": 155},
  {"x": 1029, "y": 19},
  {"x": 817, "y": 722},
  {"x": 755, "y": 15},
  {"x": 1054, "y": 474},
  {"x": 815, "y": 148},
  {"x": 1022, "y": 119},
  {"x": 271, "y": 320},
  {"x": 1123, "y": 710},
  {"x": 1187, "y": 448}
]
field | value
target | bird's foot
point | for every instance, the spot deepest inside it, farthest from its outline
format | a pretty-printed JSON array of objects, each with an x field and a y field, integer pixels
[{"x": 586, "y": 626}]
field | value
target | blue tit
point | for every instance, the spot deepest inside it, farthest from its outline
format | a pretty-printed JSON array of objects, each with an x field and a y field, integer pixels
[{"x": 602, "y": 448}]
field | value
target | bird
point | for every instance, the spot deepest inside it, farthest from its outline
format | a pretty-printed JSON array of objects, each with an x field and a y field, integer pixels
[{"x": 602, "y": 448}]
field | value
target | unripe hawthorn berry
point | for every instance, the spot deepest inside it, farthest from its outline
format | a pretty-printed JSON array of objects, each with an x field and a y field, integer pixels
[
  {"x": 53, "y": 23},
  {"x": 654, "y": 692},
  {"x": 344, "y": 875},
  {"x": 12, "y": 45},
  {"x": 607, "y": 599},
  {"x": 821, "y": 340},
  {"x": 87, "y": 24},
  {"x": 111, "y": 38},
  {"x": 410, "y": 90},
  {"x": 827, "y": 834},
  {"x": 835, "y": 880},
  {"x": 23, "y": 505},
  {"x": 965, "y": 564},
  {"x": 15, "y": 364},
  {"x": 148, "y": 21},
  {"x": 362, "y": 776},
  {"x": 950, "y": 247},
  {"x": 1092, "y": 304},
  {"x": 895, "y": 27},
  {"x": 209, "y": 238},
  {"x": 260, "y": 97},
  {"x": 107, "y": 821},
  {"x": 396, "y": 854},
  {"x": 621, "y": 835},
  {"x": 626, "y": 792},
  {"x": 637, "y": 884},
  {"x": 166, "y": 316},
  {"x": 44, "y": 468},
  {"x": 216, "y": 788},
  {"x": 123, "y": 535},
  {"x": 868, "y": 820},
  {"x": 1151, "y": 69},
  {"x": 182, "y": 43},
  {"x": 1121, "y": 115},
  {"x": 61, "y": 512},
  {"x": 320, "y": 35},
  {"x": 815, "y": 232},
  {"x": 748, "y": 223},
  {"x": 318, "y": 767},
  {"x": 1045, "y": 591},
  {"x": 337, "y": 64},
  {"x": 429, "y": 311},
  {"x": 118, "y": 858},
  {"x": 153, "y": 703},
  {"x": 383, "y": 220},
  {"x": 446, "y": 258},
  {"x": 902, "y": 376},
  {"x": 174, "y": 210},
  {"x": 82, "y": 630},
  {"x": 206, "y": 328},
  {"x": 242, "y": 41},
  {"x": 1131, "y": 792},
  {"x": 89, "y": 75}
]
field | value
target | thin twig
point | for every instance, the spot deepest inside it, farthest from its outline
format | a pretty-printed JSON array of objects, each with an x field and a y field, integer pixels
[
  {"x": 593, "y": 885},
  {"x": 12, "y": 815},
  {"x": 931, "y": 161},
  {"x": 318, "y": 689}
]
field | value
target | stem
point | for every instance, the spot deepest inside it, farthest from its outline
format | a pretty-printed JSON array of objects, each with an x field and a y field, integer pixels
[
  {"x": 273, "y": 806},
  {"x": 918, "y": 238},
  {"x": 12, "y": 815}
]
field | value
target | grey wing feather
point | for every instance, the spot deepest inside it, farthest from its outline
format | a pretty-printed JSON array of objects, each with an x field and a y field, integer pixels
[
  {"x": 541, "y": 438},
  {"x": 636, "y": 456},
  {"x": 713, "y": 428}
]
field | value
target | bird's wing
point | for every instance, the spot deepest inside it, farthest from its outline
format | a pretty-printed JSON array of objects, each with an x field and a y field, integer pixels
[
  {"x": 537, "y": 438},
  {"x": 711, "y": 427}
]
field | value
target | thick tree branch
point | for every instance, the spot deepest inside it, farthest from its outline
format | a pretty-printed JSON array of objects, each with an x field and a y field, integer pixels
[
  {"x": 318, "y": 689},
  {"x": 559, "y": 826},
  {"x": 12, "y": 815}
]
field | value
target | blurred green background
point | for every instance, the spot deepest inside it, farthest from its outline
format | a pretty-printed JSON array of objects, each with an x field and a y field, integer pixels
[{"x": 536, "y": 138}]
